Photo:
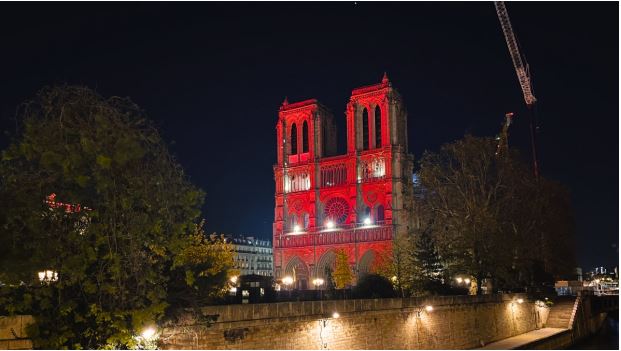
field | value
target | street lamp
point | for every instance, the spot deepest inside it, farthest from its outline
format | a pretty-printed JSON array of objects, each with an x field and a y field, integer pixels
[
  {"x": 367, "y": 221},
  {"x": 317, "y": 282},
  {"x": 330, "y": 224},
  {"x": 234, "y": 279},
  {"x": 459, "y": 280},
  {"x": 48, "y": 276},
  {"x": 288, "y": 281}
]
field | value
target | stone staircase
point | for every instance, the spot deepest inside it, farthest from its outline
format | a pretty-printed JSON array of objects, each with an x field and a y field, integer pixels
[{"x": 561, "y": 312}]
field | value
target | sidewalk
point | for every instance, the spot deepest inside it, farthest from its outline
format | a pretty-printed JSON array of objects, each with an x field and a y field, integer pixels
[{"x": 522, "y": 339}]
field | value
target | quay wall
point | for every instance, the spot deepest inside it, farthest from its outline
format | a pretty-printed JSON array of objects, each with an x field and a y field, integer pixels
[{"x": 455, "y": 322}]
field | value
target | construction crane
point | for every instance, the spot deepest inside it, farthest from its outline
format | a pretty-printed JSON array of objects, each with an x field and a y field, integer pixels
[
  {"x": 503, "y": 138},
  {"x": 523, "y": 74}
]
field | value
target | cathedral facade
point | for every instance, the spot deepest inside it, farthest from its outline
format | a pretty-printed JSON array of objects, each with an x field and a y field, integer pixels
[{"x": 358, "y": 202}]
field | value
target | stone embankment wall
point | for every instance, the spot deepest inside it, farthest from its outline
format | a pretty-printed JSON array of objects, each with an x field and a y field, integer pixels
[
  {"x": 455, "y": 322},
  {"x": 13, "y": 332}
]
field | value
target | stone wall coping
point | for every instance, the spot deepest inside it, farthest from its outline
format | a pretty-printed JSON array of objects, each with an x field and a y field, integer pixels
[{"x": 325, "y": 308}]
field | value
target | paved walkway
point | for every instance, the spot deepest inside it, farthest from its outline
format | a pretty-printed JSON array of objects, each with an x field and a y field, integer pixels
[{"x": 522, "y": 339}]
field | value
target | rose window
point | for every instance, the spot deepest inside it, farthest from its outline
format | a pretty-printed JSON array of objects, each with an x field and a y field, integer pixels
[{"x": 337, "y": 210}]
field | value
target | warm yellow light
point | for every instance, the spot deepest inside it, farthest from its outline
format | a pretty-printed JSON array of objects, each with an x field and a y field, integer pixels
[
  {"x": 148, "y": 333},
  {"x": 335, "y": 315},
  {"x": 394, "y": 278},
  {"x": 459, "y": 280},
  {"x": 428, "y": 308},
  {"x": 287, "y": 280},
  {"x": 329, "y": 224},
  {"x": 520, "y": 300},
  {"x": 467, "y": 280},
  {"x": 317, "y": 282},
  {"x": 234, "y": 279},
  {"x": 48, "y": 276}
]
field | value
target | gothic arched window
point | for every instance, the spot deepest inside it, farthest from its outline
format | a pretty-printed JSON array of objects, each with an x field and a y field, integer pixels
[
  {"x": 293, "y": 221},
  {"x": 378, "y": 127},
  {"x": 380, "y": 213},
  {"x": 305, "y": 137},
  {"x": 294, "y": 139},
  {"x": 367, "y": 213},
  {"x": 365, "y": 129}
]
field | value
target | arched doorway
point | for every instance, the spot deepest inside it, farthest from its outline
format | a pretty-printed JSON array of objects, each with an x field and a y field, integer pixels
[
  {"x": 366, "y": 262},
  {"x": 297, "y": 270},
  {"x": 326, "y": 262}
]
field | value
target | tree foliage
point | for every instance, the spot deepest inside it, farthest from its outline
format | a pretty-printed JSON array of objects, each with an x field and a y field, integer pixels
[
  {"x": 490, "y": 217},
  {"x": 373, "y": 286},
  {"x": 113, "y": 261},
  {"x": 343, "y": 275},
  {"x": 429, "y": 274}
]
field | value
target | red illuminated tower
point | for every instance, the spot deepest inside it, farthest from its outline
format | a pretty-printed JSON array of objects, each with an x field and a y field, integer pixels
[{"x": 358, "y": 202}]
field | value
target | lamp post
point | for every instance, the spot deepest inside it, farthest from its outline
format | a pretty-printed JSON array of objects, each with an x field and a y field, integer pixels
[
  {"x": 288, "y": 281},
  {"x": 318, "y": 282}
]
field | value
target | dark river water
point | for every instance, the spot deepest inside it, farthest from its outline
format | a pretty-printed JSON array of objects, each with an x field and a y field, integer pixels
[{"x": 606, "y": 339}]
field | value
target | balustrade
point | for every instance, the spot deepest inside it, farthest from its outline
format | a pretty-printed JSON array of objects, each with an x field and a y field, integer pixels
[{"x": 336, "y": 236}]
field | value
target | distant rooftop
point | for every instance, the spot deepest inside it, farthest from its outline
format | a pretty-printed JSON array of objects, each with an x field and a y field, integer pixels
[{"x": 247, "y": 240}]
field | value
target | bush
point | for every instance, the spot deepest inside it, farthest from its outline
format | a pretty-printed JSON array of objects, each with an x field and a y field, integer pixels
[{"x": 372, "y": 286}]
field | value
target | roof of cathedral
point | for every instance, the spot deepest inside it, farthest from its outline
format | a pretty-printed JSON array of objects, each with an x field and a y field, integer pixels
[{"x": 368, "y": 88}]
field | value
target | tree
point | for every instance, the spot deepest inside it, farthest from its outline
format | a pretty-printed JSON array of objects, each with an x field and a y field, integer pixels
[
  {"x": 113, "y": 261},
  {"x": 343, "y": 275},
  {"x": 428, "y": 268},
  {"x": 201, "y": 270},
  {"x": 491, "y": 217},
  {"x": 373, "y": 286},
  {"x": 396, "y": 265}
]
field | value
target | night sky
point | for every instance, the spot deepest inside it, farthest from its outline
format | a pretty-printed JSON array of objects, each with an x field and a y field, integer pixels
[{"x": 212, "y": 76}]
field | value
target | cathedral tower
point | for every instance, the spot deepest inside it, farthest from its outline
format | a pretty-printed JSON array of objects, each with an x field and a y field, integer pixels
[{"x": 357, "y": 202}]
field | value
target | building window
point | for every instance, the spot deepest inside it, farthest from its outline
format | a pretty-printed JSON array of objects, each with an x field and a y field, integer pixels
[
  {"x": 306, "y": 221},
  {"x": 298, "y": 181},
  {"x": 380, "y": 213},
  {"x": 294, "y": 139},
  {"x": 367, "y": 213},
  {"x": 365, "y": 129},
  {"x": 373, "y": 169},
  {"x": 378, "y": 127},
  {"x": 305, "y": 137},
  {"x": 333, "y": 175}
]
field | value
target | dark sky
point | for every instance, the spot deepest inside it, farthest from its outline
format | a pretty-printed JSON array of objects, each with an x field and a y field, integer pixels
[{"x": 214, "y": 75}]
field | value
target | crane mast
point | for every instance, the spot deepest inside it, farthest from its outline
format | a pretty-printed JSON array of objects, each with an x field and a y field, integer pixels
[
  {"x": 503, "y": 139},
  {"x": 522, "y": 72}
]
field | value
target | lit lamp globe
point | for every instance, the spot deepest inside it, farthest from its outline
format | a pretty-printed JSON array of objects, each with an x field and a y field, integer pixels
[
  {"x": 367, "y": 221},
  {"x": 330, "y": 224},
  {"x": 287, "y": 280},
  {"x": 318, "y": 282},
  {"x": 148, "y": 333}
]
